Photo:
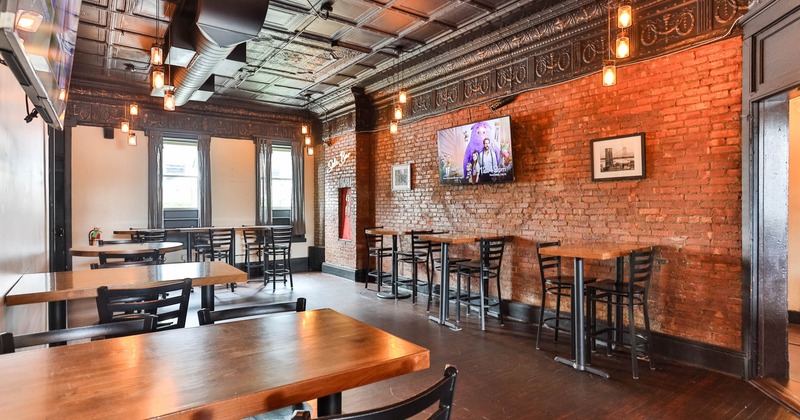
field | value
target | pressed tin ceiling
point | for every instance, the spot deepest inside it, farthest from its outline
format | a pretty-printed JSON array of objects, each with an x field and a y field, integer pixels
[{"x": 306, "y": 49}]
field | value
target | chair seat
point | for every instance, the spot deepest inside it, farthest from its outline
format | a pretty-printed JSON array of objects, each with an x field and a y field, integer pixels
[
  {"x": 611, "y": 287},
  {"x": 567, "y": 281},
  {"x": 410, "y": 257}
]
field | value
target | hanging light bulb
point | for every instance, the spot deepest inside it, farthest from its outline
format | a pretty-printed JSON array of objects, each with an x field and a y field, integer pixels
[
  {"x": 62, "y": 95},
  {"x": 623, "y": 45},
  {"x": 393, "y": 127},
  {"x": 398, "y": 112},
  {"x": 310, "y": 150},
  {"x": 125, "y": 126},
  {"x": 624, "y": 16},
  {"x": 156, "y": 55},
  {"x": 157, "y": 77},
  {"x": 609, "y": 73},
  {"x": 134, "y": 109},
  {"x": 303, "y": 129},
  {"x": 132, "y": 139},
  {"x": 308, "y": 140},
  {"x": 169, "y": 101},
  {"x": 402, "y": 97}
]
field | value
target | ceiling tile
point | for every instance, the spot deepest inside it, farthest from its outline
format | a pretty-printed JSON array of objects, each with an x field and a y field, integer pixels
[
  {"x": 420, "y": 7},
  {"x": 362, "y": 38},
  {"x": 326, "y": 28},
  {"x": 390, "y": 21},
  {"x": 461, "y": 15}
]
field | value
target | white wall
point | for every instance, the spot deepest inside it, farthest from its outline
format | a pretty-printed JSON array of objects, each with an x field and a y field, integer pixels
[
  {"x": 23, "y": 203},
  {"x": 794, "y": 204},
  {"x": 109, "y": 185}
]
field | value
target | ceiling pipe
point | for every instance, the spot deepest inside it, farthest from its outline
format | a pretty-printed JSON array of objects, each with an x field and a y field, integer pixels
[{"x": 219, "y": 28}]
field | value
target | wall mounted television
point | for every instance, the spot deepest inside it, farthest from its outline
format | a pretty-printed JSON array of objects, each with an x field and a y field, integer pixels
[
  {"x": 476, "y": 153},
  {"x": 37, "y": 41}
]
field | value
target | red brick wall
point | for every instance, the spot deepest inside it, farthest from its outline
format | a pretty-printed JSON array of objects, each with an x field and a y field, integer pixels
[{"x": 687, "y": 104}]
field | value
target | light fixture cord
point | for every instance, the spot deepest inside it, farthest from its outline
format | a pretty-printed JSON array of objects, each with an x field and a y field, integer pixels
[{"x": 608, "y": 10}]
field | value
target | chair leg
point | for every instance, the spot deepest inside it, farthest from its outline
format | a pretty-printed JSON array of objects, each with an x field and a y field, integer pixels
[
  {"x": 289, "y": 267},
  {"x": 541, "y": 318},
  {"x": 414, "y": 279},
  {"x": 458, "y": 296},
  {"x": 592, "y": 311},
  {"x": 632, "y": 328},
  {"x": 430, "y": 291},
  {"x": 499, "y": 300},
  {"x": 609, "y": 325},
  {"x": 647, "y": 331},
  {"x": 483, "y": 304},
  {"x": 558, "y": 315}
]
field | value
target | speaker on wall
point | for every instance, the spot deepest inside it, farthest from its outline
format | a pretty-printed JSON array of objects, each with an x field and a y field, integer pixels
[{"x": 108, "y": 132}]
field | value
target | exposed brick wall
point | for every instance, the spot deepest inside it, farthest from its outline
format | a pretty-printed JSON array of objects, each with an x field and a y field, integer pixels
[
  {"x": 319, "y": 195},
  {"x": 687, "y": 104}
]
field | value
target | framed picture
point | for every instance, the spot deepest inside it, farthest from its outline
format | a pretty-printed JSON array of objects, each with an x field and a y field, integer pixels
[
  {"x": 401, "y": 177},
  {"x": 616, "y": 158}
]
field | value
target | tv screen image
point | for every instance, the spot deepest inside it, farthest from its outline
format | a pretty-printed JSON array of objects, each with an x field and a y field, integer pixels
[{"x": 476, "y": 153}]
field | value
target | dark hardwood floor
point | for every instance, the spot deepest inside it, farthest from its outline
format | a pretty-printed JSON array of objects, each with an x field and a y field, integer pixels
[{"x": 501, "y": 374}]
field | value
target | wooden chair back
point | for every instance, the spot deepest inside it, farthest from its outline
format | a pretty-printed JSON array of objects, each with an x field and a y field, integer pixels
[
  {"x": 169, "y": 301},
  {"x": 206, "y": 316},
  {"x": 9, "y": 342}
]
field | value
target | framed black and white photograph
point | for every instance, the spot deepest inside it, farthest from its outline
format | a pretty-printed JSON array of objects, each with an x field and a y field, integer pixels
[
  {"x": 401, "y": 177},
  {"x": 617, "y": 158}
]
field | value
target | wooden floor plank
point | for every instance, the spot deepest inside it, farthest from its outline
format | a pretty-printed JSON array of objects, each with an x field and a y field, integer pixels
[{"x": 501, "y": 374}]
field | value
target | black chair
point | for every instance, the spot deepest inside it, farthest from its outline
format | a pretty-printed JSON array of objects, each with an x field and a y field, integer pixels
[
  {"x": 151, "y": 235},
  {"x": 9, "y": 342},
  {"x": 220, "y": 248},
  {"x": 201, "y": 245},
  {"x": 122, "y": 304},
  {"x": 435, "y": 259},
  {"x": 206, "y": 316},
  {"x": 253, "y": 249},
  {"x": 278, "y": 255},
  {"x": 630, "y": 294},
  {"x": 440, "y": 394},
  {"x": 554, "y": 283},
  {"x": 419, "y": 254},
  {"x": 484, "y": 269},
  {"x": 112, "y": 260},
  {"x": 376, "y": 250}
]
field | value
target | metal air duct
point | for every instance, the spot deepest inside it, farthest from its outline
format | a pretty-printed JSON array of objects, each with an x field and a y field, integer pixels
[{"x": 219, "y": 27}]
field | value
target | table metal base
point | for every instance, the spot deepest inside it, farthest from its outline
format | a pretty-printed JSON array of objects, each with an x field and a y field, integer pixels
[
  {"x": 401, "y": 294},
  {"x": 329, "y": 404},
  {"x": 576, "y": 366}
]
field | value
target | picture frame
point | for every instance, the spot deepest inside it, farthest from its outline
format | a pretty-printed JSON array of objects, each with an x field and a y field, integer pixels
[
  {"x": 401, "y": 177},
  {"x": 618, "y": 158}
]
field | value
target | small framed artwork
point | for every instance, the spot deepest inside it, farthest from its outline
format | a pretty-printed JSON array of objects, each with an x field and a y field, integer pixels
[
  {"x": 617, "y": 158},
  {"x": 401, "y": 177}
]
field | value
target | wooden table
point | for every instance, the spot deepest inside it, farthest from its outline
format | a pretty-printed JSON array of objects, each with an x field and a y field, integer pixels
[
  {"x": 133, "y": 248},
  {"x": 394, "y": 233},
  {"x": 229, "y": 370},
  {"x": 57, "y": 288},
  {"x": 594, "y": 251},
  {"x": 446, "y": 239}
]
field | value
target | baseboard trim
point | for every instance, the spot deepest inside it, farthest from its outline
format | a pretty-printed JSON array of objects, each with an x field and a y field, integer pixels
[{"x": 344, "y": 272}]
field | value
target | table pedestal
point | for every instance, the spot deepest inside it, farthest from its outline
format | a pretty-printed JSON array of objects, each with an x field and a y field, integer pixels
[
  {"x": 395, "y": 293},
  {"x": 444, "y": 291}
]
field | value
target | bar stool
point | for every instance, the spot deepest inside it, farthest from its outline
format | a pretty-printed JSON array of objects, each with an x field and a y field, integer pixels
[
  {"x": 376, "y": 250},
  {"x": 419, "y": 254},
  {"x": 486, "y": 268},
  {"x": 278, "y": 255},
  {"x": 630, "y": 294},
  {"x": 253, "y": 248}
]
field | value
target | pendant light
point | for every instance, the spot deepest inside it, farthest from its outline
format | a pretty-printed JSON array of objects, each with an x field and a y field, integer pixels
[
  {"x": 402, "y": 97},
  {"x": 398, "y": 112},
  {"x": 624, "y": 16},
  {"x": 157, "y": 78},
  {"x": 623, "y": 49},
  {"x": 310, "y": 150},
  {"x": 393, "y": 127},
  {"x": 62, "y": 95},
  {"x": 304, "y": 129},
  {"x": 308, "y": 140},
  {"x": 156, "y": 52},
  {"x": 133, "y": 109},
  {"x": 609, "y": 66},
  {"x": 132, "y": 139},
  {"x": 169, "y": 100},
  {"x": 125, "y": 126}
]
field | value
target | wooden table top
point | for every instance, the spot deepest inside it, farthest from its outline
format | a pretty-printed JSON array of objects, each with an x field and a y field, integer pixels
[
  {"x": 229, "y": 370},
  {"x": 67, "y": 285},
  {"x": 594, "y": 251},
  {"x": 95, "y": 250},
  {"x": 455, "y": 238}
]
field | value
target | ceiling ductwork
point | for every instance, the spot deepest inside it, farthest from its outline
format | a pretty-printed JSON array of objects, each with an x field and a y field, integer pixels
[{"x": 219, "y": 26}]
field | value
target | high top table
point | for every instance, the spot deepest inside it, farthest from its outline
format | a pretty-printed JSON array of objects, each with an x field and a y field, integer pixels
[
  {"x": 447, "y": 239},
  {"x": 594, "y": 251},
  {"x": 57, "y": 288},
  {"x": 225, "y": 370},
  {"x": 132, "y": 248},
  {"x": 394, "y": 233}
]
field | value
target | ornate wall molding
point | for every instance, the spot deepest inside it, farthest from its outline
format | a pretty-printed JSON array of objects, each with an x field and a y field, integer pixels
[{"x": 106, "y": 108}]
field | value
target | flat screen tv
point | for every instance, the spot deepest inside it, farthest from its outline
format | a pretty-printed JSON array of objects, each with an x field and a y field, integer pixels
[
  {"x": 37, "y": 41},
  {"x": 476, "y": 153}
]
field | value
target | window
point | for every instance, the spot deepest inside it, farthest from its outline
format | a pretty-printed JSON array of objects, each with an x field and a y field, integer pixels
[
  {"x": 180, "y": 184},
  {"x": 281, "y": 188}
]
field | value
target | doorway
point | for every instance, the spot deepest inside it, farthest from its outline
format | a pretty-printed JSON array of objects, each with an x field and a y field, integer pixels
[{"x": 793, "y": 257}]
